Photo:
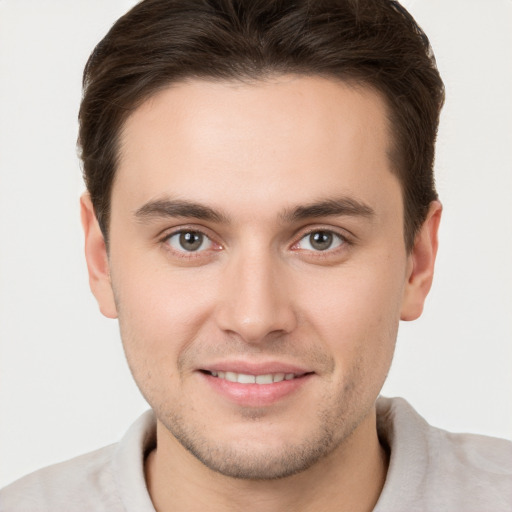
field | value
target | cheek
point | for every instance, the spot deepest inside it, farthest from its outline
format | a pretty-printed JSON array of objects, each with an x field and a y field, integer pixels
[
  {"x": 160, "y": 315},
  {"x": 355, "y": 312},
  {"x": 160, "y": 310}
]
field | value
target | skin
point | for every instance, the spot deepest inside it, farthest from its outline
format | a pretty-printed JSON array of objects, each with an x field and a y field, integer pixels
[{"x": 251, "y": 158}]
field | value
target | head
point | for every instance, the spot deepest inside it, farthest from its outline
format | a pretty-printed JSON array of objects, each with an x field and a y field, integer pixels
[{"x": 261, "y": 207}]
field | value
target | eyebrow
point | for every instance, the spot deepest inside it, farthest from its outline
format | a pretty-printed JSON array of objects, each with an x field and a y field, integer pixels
[
  {"x": 329, "y": 208},
  {"x": 168, "y": 208},
  {"x": 164, "y": 208}
]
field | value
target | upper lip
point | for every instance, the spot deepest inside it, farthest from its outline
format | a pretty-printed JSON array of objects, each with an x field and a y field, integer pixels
[{"x": 253, "y": 368}]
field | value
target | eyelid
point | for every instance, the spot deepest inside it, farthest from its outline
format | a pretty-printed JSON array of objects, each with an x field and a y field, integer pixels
[
  {"x": 166, "y": 234},
  {"x": 344, "y": 234},
  {"x": 205, "y": 241}
]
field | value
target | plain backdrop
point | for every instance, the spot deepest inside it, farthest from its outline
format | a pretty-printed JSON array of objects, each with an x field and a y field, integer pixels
[{"x": 64, "y": 385}]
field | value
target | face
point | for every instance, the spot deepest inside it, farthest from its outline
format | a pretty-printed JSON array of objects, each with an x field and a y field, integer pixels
[{"x": 257, "y": 267}]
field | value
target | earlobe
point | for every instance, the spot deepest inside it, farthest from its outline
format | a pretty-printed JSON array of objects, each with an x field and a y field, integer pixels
[
  {"x": 97, "y": 259},
  {"x": 421, "y": 265}
]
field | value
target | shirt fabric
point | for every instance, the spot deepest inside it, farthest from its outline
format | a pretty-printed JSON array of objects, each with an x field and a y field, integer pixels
[{"x": 430, "y": 470}]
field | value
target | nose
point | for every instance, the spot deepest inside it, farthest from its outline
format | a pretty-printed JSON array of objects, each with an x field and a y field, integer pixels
[{"x": 255, "y": 303}]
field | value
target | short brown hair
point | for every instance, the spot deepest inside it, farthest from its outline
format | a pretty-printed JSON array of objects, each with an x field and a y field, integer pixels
[{"x": 371, "y": 42}]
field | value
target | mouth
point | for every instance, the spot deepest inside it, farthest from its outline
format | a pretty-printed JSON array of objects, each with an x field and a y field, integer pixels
[
  {"x": 256, "y": 385},
  {"x": 245, "y": 378}
]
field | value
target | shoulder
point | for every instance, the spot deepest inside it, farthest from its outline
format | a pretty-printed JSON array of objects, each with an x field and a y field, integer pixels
[
  {"x": 432, "y": 469},
  {"x": 480, "y": 454},
  {"x": 476, "y": 469},
  {"x": 82, "y": 483},
  {"x": 109, "y": 479}
]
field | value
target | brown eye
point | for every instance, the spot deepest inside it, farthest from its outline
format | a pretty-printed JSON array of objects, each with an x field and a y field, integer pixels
[
  {"x": 189, "y": 241},
  {"x": 320, "y": 241}
]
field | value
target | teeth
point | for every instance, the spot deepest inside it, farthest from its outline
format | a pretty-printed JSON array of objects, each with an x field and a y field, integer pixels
[
  {"x": 263, "y": 379},
  {"x": 248, "y": 379},
  {"x": 231, "y": 376},
  {"x": 243, "y": 378}
]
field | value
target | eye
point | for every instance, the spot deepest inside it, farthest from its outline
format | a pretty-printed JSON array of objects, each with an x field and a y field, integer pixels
[
  {"x": 189, "y": 241},
  {"x": 320, "y": 241}
]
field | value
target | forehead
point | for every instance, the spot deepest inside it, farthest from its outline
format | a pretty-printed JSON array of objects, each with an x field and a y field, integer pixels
[{"x": 290, "y": 138}]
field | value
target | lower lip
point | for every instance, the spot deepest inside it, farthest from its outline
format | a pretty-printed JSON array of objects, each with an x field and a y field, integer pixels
[{"x": 256, "y": 395}]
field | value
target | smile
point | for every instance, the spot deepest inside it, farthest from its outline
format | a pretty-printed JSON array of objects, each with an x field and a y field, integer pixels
[
  {"x": 253, "y": 386},
  {"x": 244, "y": 378}
]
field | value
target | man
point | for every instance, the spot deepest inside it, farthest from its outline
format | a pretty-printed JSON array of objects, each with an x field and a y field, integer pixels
[{"x": 260, "y": 215}]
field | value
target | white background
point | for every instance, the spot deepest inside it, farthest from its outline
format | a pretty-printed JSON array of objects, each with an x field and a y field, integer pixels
[{"x": 65, "y": 388}]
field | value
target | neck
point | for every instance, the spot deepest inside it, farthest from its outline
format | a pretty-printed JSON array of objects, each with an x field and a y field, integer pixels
[{"x": 349, "y": 479}]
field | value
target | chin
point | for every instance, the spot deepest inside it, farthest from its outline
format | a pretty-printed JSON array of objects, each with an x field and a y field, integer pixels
[{"x": 259, "y": 451}]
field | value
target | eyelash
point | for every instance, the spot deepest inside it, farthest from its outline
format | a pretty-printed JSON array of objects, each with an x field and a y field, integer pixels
[
  {"x": 189, "y": 255},
  {"x": 344, "y": 243},
  {"x": 343, "y": 239}
]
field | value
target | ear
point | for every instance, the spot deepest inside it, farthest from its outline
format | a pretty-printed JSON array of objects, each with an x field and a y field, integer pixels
[
  {"x": 421, "y": 265},
  {"x": 97, "y": 259}
]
